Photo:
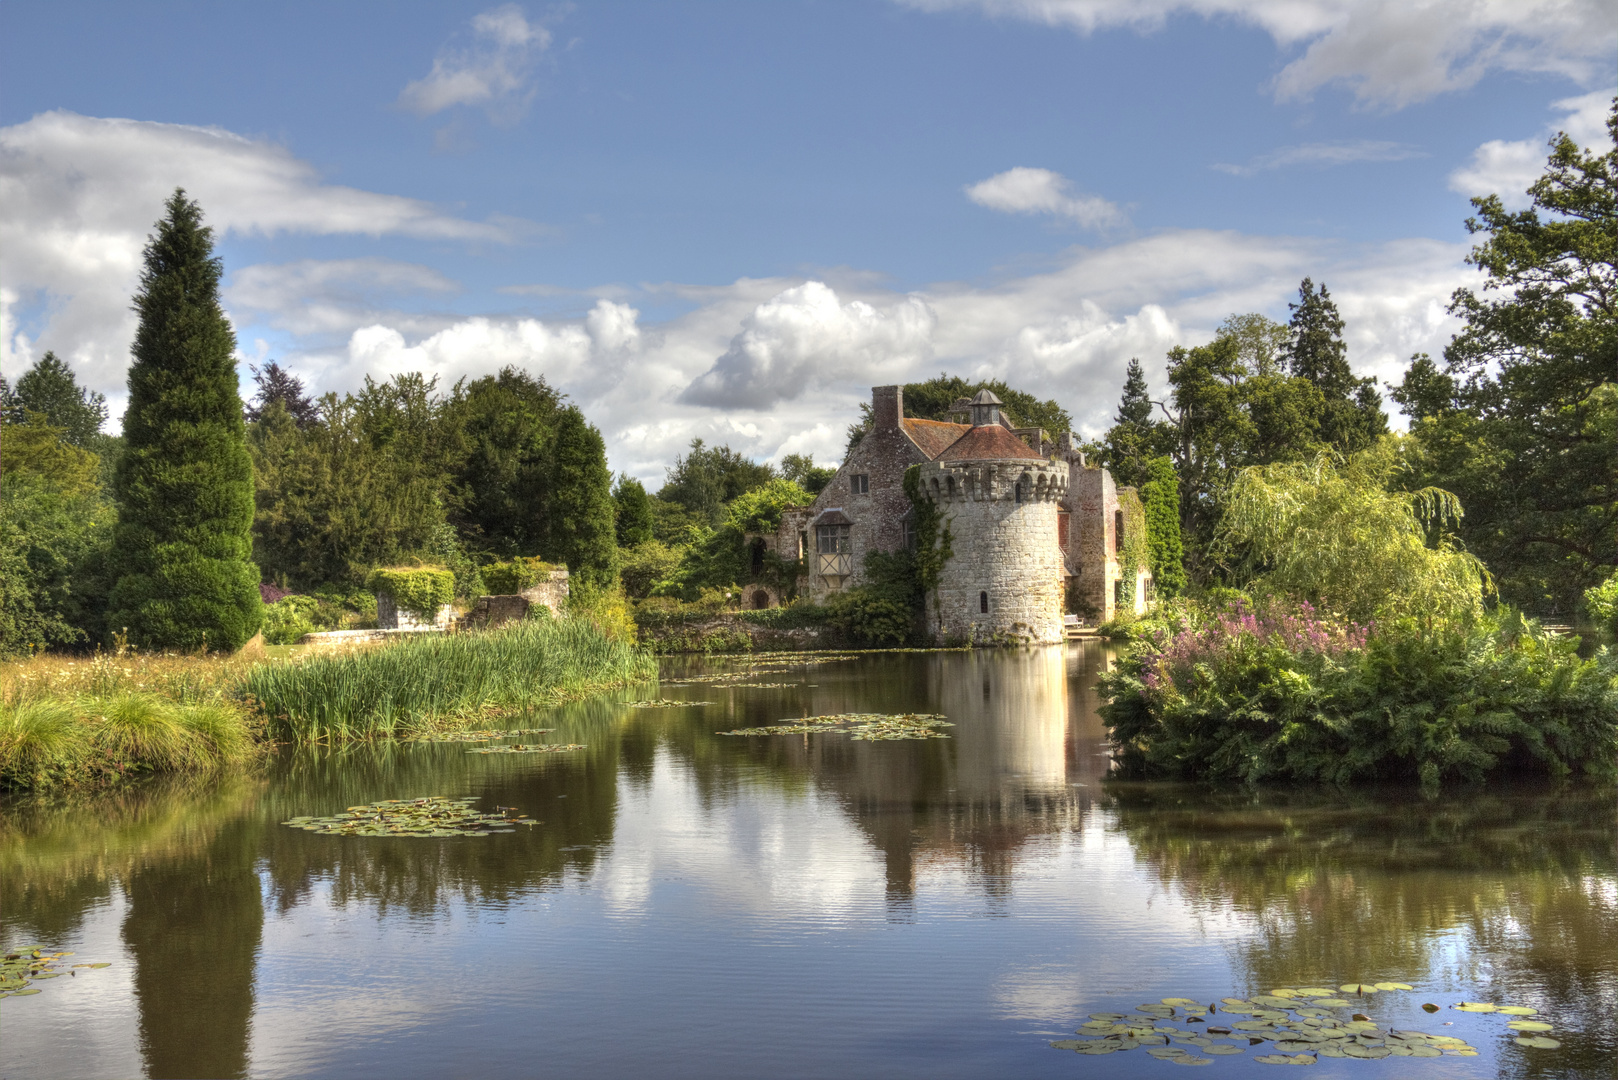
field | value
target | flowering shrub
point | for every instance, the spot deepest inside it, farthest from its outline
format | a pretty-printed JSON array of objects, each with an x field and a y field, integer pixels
[{"x": 1237, "y": 693}]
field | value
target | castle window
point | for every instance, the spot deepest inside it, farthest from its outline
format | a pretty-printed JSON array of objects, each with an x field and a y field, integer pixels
[
  {"x": 834, "y": 558},
  {"x": 1062, "y": 529},
  {"x": 1118, "y": 593},
  {"x": 1020, "y": 487},
  {"x": 859, "y": 483},
  {"x": 983, "y": 602},
  {"x": 909, "y": 533},
  {"x": 832, "y": 539},
  {"x": 1117, "y": 530}
]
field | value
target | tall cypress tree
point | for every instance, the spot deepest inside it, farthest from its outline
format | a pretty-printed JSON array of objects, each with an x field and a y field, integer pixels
[
  {"x": 580, "y": 530},
  {"x": 633, "y": 508},
  {"x": 184, "y": 543}
]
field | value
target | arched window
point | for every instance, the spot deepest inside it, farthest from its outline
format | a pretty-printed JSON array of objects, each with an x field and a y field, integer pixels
[{"x": 983, "y": 602}]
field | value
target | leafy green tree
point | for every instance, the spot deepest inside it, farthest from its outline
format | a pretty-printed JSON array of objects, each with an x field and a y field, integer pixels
[
  {"x": 1339, "y": 536},
  {"x": 185, "y": 482},
  {"x": 673, "y": 524},
  {"x": 802, "y": 470},
  {"x": 507, "y": 421},
  {"x": 580, "y": 530},
  {"x": 935, "y": 398},
  {"x": 49, "y": 390},
  {"x": 1522, "y": 423},
  {"x": 707, "y": 478},
  {"x": 1160, "y": 496},
  {"x": 632, "y": 508},
  {"x": 1352, "y": 418}
]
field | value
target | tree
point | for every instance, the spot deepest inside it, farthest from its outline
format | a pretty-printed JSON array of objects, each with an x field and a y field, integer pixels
[
  {"x": 936, "y": 398},
  {"x": 1352, "y": 418},
  {"x": 581, "y": 530},
  {"x": 277, "y": 385},
  {"x": 632, "y": 508},
  {"x": 1160, "y": 497},
  {"x": 707, "y": 478},
  {"x": 802, "y": 470},
  {"x": 185, "y": 483},
  {"x": 507, "y": 422},
  {"x": 1135, "y": 437},
  {"x": 1333, "y": 533},
  {"x": 49, "y": 390},
  {"x": 1522, "y": 423}
]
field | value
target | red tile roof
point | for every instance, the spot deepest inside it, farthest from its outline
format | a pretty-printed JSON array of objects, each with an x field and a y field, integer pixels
[
  {"x": 990, "y": 441},
  {"x": 933, "y": 437}
]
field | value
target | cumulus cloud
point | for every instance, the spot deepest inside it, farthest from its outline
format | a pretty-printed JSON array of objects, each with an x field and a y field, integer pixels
[
  {"x": 1391, "y": 53},
  {"x": 79, "y": 195},
  {"x": 1040, "y": 191},
  {"x": 1507, "y": 168},
  {"x": 323, "y": 296},
  {"x": 496, "y": 70},
  {"x": 1324, "y": 155},
  {"x": 807, "y": 336}
]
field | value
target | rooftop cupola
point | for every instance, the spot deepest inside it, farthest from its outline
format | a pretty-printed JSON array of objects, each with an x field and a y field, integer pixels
[{"x": 985, "y": 409}]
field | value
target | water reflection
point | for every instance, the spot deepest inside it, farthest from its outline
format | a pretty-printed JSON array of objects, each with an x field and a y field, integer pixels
[{"x": 677, "y": 851}]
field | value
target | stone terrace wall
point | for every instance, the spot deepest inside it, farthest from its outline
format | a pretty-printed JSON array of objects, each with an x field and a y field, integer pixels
[{"x": 552, "y": 592}]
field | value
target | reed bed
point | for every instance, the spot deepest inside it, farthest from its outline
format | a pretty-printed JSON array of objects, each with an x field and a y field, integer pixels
[{"x": 436, "y": 682}]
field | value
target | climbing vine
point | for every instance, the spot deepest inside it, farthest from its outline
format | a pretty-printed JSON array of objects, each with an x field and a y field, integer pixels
[
  {"x": 419, "y": 590},
  {"x": 1137, "y": 549},
  {"x": 932, "y": 535}
]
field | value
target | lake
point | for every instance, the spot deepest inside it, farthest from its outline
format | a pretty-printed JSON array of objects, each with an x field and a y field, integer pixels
[{"x": 699, "y": 905}]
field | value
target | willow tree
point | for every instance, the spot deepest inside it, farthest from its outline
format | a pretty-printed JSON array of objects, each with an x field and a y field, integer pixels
[
  {"x": 1330, "y": 531},
  {"x": 184, "y": 485}
]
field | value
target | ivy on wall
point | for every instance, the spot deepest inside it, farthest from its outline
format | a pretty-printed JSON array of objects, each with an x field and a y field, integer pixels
[
  {"x": 509, "y": 578},
  {"x": 1137, "y": 548},
  {"x": 933, "y": 538},
  {"x": 418, "y": 590}
]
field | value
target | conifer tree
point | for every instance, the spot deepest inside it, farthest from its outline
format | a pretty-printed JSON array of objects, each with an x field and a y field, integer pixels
[
  {"x": 1160, "y": 495},
  {"x": 1134, "y": 438},
  {"x": 49, "y": 390},
  {"x": 183, "y": 540},
  {"x": 1353, "y": 417},
  {"x": 277, "y": 385},
  {"x": 633, "y": 509},
  {"x": 580, "y": 530}
]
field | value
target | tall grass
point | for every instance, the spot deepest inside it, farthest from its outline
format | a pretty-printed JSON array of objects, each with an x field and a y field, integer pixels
[
  {"x": 86, "y": 741},
  {"x": 434, "y": 681}
]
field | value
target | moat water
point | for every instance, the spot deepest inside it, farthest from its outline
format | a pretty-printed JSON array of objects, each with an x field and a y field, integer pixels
[{"x": 697, "y": 905}]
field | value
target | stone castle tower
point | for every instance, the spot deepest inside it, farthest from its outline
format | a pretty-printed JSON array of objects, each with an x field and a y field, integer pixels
[{"x": 999, "y": 499}]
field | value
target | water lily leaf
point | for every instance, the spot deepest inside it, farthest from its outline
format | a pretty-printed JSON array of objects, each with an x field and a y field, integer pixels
[
  {"x": 1477, "y": 1007},
  {"x": 1462, "y": 1053},
  {"x": 1517, "y": 1010},
  {"x": 1394, "y": 986},
  {"x": 1355, "y": 1050},
  {"x": 1426, "y": 1051},
  {"x": 1098, "y": 1047},
  {"x": 1223, "y": 1048},
  {"x": 1190, "y": 1059},
  {"x": 1429, "y": 1007},
  {"x": 1361, "y": 1018},
  {"x": 1182, "y": 1001},
  {"x": 1234, "y": 1001},
  {"x": 1292, "y": 1046},
  {"x": 1358, "y": 988},
  {"x": 1529, "y": 1025},
  {"x": 1068, "y": 1044},
  {"x": 1336, "y": 1003},
  {"x": 1541, "y": 1042},
  {"x": 1317, "y": 992},
  {"x": 23, "y": 993},
  {"x": 1164, "y": 1051}
]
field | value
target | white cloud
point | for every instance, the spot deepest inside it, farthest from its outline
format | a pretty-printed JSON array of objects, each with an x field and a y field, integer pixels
[
  {"x": 1507, "y": 168},
  {"x": 495, "y": 71},
  {"x": 79, "y": 195},
  {"x": 806, "y": 337},
  {"x": 1040, "y": 191},
  {"x": 316, "y": 296},
  {"x": 1323, "y": 155},
  {"x": 1391, "y": 53}
]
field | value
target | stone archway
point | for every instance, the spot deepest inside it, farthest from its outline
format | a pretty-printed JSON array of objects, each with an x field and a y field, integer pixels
[{"x": 759, "y": 599}]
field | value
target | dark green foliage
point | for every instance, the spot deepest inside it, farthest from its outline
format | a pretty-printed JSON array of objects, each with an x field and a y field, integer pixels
[
  {"x": 1522, "y": 423},
  {"x": 580, "y": 531},
  {"x": 1352, "y": 417},
  {"x": 642, "y": 569},
  {"x": 1135, "y": 437},
  {"x": 183, "y": 541},
  {"x": 882, "y": 612},
  {"x": 1414, "y": 702},
  {"x": 802, "y": 470},
  {"x": 49, "y": 391},
  {"x": 673, "y": 524},
  {"x": 933, "y": 548},
  {"x": 706, "y": 478},
  {"x": 513, "y": 576},
  {"x": 932, "y": 400},
  {"x": 278, "y": 386},
  {"x": 632, "y": 508},
  {"x": 506, "y": 424},
  {"x": 1160, "y": 495},
  {"x": 722, "y": 558},
  {"x": 1137, "y": 551}
]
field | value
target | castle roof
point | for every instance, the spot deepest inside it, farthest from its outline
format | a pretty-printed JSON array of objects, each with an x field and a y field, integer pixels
[
  {"x": 933, "y": 437},
  {"x": 988, "y": 441}
]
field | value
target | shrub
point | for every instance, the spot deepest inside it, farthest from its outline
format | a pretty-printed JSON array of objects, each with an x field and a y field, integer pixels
[
  {"x": 1602, "y": 604},
  {"x": 420, "y": 590},
  {"x": 1282, "y": 694},
  {"x": 512, "y": 577}
]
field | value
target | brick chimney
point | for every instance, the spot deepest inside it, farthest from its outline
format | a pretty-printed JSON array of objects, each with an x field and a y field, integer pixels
[{"x": 887, "y": 407}]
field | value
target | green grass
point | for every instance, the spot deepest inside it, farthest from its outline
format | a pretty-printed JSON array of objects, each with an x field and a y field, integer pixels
[
  {"x": 90, "y": 741},
  {"x": 436, "y": 681}
]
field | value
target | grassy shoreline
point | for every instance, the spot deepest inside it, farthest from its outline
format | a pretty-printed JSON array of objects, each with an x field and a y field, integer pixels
[{"x": 81, "y": 722}]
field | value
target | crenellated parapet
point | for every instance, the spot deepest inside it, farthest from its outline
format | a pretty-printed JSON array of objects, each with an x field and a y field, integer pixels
[{"x": 1012, "y": 480}]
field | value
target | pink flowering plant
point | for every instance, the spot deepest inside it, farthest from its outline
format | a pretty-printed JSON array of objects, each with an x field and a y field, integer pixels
[{"x": 1277, "y": 691}]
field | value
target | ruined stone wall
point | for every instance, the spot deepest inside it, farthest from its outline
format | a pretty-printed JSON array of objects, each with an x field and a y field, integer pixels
[
  {"x": 1002, "y": 548},
  {"x": 390, "y": 616},
  {"x": 1091, "y": 556},
  {"x": 552, "y": 592}
]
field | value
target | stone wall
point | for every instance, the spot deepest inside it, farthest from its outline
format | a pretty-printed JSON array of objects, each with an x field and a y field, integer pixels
[
  {"x": 390, "y": 616},
  {"x": 552, "y": 592},
  {"x": 496, "y": 610},
  {"x": 1091, "y": 555},
  {"x": 1004, "y": 550}
]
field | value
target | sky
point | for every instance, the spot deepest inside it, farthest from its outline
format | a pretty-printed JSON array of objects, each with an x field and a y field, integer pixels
[{"x": 729, "y": 221}]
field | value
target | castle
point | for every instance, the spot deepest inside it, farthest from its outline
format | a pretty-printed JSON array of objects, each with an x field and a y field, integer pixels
[{"x": 1033, "y": 528}]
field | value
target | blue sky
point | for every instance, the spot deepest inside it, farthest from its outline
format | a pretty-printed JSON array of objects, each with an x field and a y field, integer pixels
[{"x": 728, "y": 221}]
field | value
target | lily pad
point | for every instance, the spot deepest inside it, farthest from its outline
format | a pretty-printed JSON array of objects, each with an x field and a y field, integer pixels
[
  {"x": 1540, "y": 1042},
  {"x": 1223, "y": 1049},
  {"x": 1477, "y": 1007},
  {"x": 1358, "y": 988},
  {"x": 1517, "y": 1010},
  {"x": 1336, "y": 1003},
  {"x": 1355, "y": 1050},
  {"x": 1429, "y": 1007},
  {"x": 532, "y": 748},
  {"x": 1394, "y": 986},
  {"x": 1107, "y": 1016},
  {"x": 1286, "y": 1059},
  {"x": 666, "y": 703},
  {"x": 1529, "y": 1025},
  {"x": 867, "y": 727},
  {"x": 432, "y": 816},
  {"x": 1187, "y": 1002},
  {"x": 1316, "y": 992}
]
